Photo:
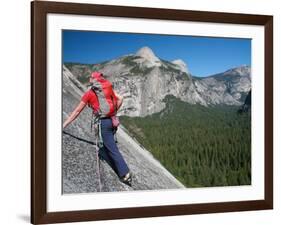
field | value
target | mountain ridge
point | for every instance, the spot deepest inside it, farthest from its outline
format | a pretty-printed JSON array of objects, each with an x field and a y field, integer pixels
[{"x": 144, "y": 80}]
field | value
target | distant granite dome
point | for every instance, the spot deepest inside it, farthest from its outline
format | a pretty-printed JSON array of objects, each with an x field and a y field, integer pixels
[
  {"x": 149, "y": 56},
  {"x": 181, "y": 64}
]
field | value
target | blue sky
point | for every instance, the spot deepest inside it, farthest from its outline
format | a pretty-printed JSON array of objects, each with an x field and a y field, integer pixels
[{"x": 204, "y": 55}]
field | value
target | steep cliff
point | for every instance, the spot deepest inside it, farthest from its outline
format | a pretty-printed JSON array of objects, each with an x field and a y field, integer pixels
[{"x": 79, "y": 159}]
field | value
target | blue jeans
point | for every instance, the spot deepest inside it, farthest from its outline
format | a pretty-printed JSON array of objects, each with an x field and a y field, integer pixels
[{"x": 111, "y": 148}]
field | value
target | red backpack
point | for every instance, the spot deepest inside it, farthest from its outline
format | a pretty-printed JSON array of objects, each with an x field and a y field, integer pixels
[{"x": 106, "y": 97}]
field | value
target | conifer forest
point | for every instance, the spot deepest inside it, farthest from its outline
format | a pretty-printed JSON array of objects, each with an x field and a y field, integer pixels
[{"x": 201, "y": 146}]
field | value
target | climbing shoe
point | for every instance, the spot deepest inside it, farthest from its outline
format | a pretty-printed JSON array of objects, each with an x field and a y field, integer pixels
[{"x": 127, "y": 179}]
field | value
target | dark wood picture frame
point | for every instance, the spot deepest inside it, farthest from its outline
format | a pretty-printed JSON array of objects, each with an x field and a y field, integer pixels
[{"x": 39, "y": 11}]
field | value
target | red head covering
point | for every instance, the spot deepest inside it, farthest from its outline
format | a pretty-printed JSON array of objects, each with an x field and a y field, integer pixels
[{"x": 96, "y": 75}]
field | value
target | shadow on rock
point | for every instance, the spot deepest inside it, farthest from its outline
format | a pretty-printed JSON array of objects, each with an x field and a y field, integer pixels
[
  {"x": 78, "y": 138},
  {"x": 102, "y": 151}
]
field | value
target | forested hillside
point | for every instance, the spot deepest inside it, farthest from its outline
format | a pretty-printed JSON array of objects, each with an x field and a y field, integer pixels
[{"x": 201, "y": 146}]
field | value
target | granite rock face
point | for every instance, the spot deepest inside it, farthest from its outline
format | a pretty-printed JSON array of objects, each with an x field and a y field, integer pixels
[
  {"x": 227, "y": 88},
  {"x": 79, "y": 154},
  {"x": 144, "y": 80}
]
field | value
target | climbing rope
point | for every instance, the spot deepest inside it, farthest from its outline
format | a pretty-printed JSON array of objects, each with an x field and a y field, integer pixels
[
  {"x": 98, "y": 145},
  {"x": 98, "y": 163}
]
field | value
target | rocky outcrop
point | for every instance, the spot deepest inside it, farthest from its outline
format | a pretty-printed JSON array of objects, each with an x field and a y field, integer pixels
[
  {"x": 246, "y": 107},
  {"x": 181, "y": 64},
  {"x": 79, "y": 158}
]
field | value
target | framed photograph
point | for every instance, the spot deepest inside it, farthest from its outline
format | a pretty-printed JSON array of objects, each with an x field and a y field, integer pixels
[{"x": 145, "y": 112}]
